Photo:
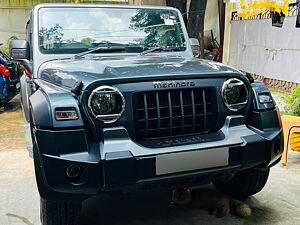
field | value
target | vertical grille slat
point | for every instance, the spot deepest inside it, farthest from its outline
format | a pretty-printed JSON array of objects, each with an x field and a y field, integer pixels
[
  {"x": 175, "y": 112},
  {"x": 170, "y": 112},
  {"x": 158, "y": 113},
  {"x": 193, "y": 109},
  {"x": 204, "y": 108},
  {"x": 181, "y": 112},
  {"x": 146, "y": 115}
]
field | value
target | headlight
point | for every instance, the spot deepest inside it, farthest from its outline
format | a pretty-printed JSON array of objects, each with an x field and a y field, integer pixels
[
  {"x": 106, "y": 103},
  {"x": 235, "y": 94}
]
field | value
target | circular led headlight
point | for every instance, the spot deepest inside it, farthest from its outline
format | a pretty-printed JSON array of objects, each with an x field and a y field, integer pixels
[
  {"x": 103, "y": 103},
  {"x": 106, "y": 103},
  {"x": 235, "y": 94}
]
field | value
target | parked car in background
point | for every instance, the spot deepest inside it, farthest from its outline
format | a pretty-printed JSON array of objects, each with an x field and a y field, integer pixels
[{"x": 9, "y": 78}]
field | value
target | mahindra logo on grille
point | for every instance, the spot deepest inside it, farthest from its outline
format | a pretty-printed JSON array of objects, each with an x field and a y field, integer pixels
[{"x": 173, "y": 84}]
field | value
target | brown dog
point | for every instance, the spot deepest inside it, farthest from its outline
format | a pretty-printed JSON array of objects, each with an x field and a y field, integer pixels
[{"x": 211, "y": 200}]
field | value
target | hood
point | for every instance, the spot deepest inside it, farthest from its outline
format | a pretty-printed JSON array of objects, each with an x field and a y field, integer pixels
[{"x": 129, "y": 69}]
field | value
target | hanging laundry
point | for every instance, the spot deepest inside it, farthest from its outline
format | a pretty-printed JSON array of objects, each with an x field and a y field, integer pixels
[
  {"x": 277, "y": 19},
  {"x": 247, "y": 8}
]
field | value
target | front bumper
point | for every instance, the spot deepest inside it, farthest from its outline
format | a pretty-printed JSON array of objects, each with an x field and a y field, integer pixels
[{"x": 118, "y": 162}]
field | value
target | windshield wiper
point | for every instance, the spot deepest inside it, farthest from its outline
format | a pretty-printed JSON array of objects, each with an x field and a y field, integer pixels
[
  {"x": 101, "y": 48},
  {"x": 160, "y": 48}
]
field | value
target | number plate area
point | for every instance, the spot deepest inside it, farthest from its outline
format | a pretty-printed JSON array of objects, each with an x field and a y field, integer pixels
[{"x": 191, "y": 160}]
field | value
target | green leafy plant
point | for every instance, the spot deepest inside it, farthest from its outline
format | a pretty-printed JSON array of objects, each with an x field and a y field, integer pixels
[
  {"x": 293, "y": 101},
  {"x": 4, "y": 48}
]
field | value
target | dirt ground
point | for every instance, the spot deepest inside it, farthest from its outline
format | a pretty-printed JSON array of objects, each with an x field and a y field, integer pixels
[
  {"x": 276, "y": 204},
  {"x": 11, "y": 125}
]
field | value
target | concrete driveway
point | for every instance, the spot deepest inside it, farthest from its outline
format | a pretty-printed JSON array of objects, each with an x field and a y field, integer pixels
[{"x": 277, "y": 203}]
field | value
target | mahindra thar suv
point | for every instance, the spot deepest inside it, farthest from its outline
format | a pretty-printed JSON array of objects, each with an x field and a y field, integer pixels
[{"x": 114, "y": 101}]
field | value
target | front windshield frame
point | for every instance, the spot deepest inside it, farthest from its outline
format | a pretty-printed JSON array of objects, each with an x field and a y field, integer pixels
[{"x": 178, "y": 23}]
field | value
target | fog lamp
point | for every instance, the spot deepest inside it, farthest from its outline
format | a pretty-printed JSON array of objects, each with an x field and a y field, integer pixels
[{"x": 73, "y": 171}]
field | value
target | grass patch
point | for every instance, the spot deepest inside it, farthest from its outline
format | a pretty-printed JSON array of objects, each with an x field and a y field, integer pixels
[{"x": 283, "y": 113}]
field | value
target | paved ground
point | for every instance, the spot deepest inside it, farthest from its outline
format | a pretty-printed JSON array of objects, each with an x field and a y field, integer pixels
[{"x": 277, "y": 204}]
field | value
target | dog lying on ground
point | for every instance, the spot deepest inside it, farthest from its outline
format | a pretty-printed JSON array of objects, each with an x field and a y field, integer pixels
[{"x": 213, "y": 201}]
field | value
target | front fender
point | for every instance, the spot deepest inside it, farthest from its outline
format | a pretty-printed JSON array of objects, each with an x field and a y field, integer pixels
[
  {"x": 40, "y": 110},
  {"x": 44, "y": 102}
]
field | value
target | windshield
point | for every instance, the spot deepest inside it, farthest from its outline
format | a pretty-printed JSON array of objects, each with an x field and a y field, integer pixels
[{"x": 74, "y": 30}]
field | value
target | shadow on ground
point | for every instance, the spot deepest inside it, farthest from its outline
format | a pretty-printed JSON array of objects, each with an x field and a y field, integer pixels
[
  {"x": 12, "y": 106},
  {"x": 154, "y": 209}
]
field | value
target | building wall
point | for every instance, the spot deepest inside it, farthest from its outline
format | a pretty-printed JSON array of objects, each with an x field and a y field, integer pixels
[
  {"x": 260, "y": 48},
  {"x": 13, "y": 23},
  {"x": 231, "y": 7}
]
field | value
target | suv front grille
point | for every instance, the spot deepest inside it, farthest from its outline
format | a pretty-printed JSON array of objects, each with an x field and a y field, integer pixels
[{"x": 166, "y": 113}]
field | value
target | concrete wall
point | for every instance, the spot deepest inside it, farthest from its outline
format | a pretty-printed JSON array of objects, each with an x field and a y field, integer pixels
[
  {"x": 231, "y": 7},
  {"x": 13, "y": 23},
  {"x": 258, "y": 47}
]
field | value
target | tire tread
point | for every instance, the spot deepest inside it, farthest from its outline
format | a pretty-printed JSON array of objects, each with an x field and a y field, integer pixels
[
  {"x": 59, "y": 213},
  {"x": 244, "y": 184}
]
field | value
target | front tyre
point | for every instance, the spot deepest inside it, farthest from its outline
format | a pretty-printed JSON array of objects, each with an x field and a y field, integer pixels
[
  {"x": 244, "y": 183},
  {"x": 59, "y": 213}
]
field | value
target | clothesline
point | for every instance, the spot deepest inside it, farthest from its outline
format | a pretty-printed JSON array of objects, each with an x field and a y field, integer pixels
[{"x": 247, "y": 8}]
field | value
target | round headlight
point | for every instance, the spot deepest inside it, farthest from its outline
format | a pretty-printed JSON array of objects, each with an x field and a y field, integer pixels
[
  {"x": 106, "y": 103},
  {"x": 103, "y": 103},
  {"x": 235, "y": 94}
]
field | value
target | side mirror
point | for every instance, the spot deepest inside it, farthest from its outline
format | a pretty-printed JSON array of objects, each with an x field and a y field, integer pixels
[
  {"x": 19, "y": 50},
  {"x": 195, "y": 46}
]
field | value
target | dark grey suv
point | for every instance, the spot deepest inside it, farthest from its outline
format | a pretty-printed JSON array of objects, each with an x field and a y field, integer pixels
[{"x": 115, "y": 101}]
